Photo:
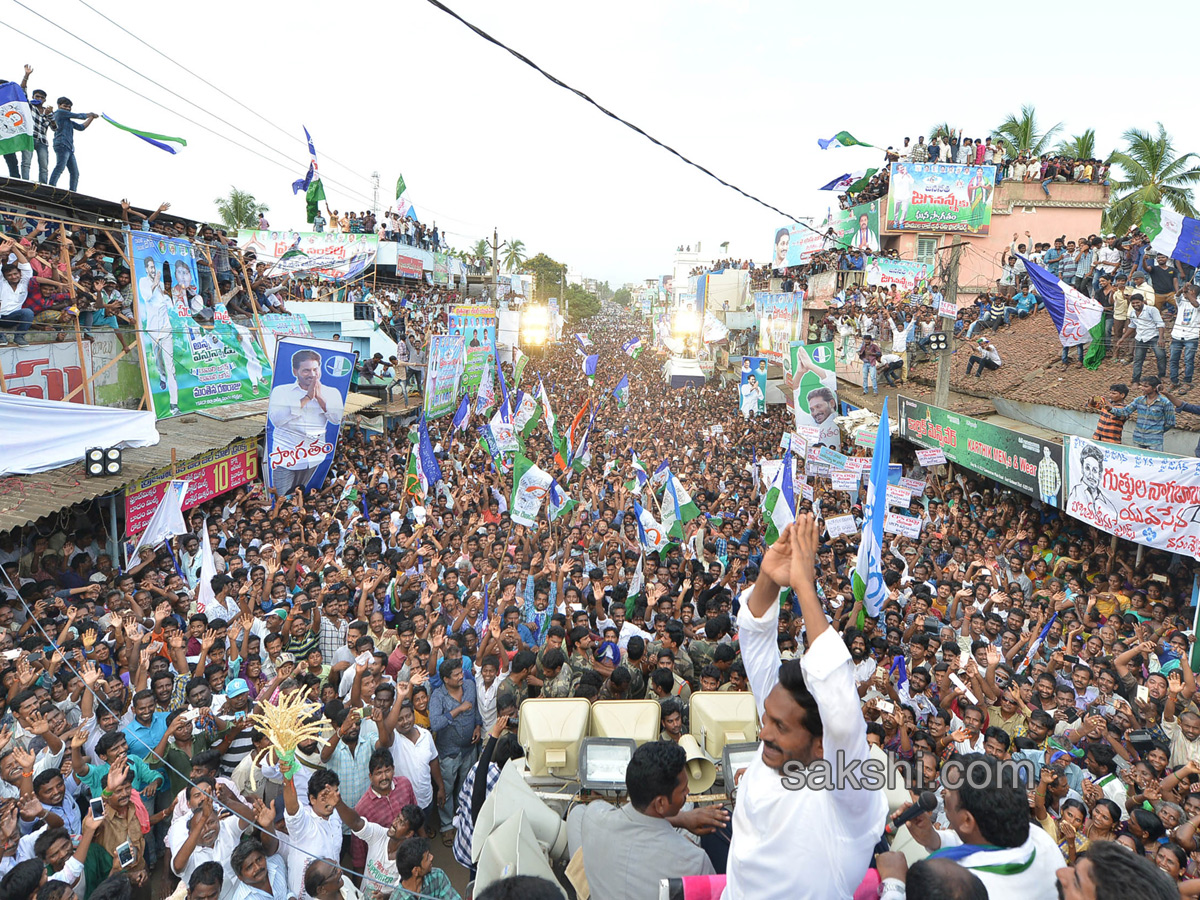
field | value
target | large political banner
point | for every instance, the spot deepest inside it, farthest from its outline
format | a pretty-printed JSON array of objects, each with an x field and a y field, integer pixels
[
  {"x": 752, "y": 389},
  {"x": 778, "y": 322},
  {"x": 304, "y": 415},
  {"x": 441, "y": 269},
  {"x": 811, "y": 389},
  {"x": 338, "y": 257},
  {"x": 208, "y": 476},
  {"x": 196, "y": 357},
  {"x": 1140, "y": 495},
  {"x": 476, "y": 325},
  {"x": 795, "y": 243},
  {"x": 905, "y": 274},
  {"x": 444, "y": 381},
  {"x": 1021, "y": 461},
  {"x": 940, "y": 197}
]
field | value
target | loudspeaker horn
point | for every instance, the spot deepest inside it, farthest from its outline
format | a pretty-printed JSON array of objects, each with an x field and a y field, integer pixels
[{"x": 701, "y": 771}]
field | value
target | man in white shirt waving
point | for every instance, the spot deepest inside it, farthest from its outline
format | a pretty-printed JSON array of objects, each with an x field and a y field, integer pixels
[{"x": 791, "y": 840}]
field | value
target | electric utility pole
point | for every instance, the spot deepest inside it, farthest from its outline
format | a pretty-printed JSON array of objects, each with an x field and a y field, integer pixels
[{"x": 941, "y": 391}]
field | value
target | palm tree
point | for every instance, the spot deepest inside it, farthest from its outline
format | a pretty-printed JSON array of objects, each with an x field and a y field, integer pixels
[
  {"x": 239, "y": 209},
  {"x": 937, "y": 131},
  {"x": 1153, "y": 174},
  {"x": 1020, "y": 135},
  {"x": 514, "y": 255},
  {"x": 483, "y": 250},
  {"x": 1080, "y": 146}
]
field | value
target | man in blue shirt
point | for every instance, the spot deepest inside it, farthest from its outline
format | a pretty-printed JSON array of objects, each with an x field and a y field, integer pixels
[
  {"x": 146, "y": 730},
  {"x": 1053, "y": 256},
  {"x": 64, "y": 141},
  {"x": 1155, "y": 415}
]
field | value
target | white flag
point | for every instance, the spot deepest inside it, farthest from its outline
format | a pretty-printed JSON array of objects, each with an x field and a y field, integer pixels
[
  {"x": 167, "y": 520},
  {"x": 205, "y": 596}
]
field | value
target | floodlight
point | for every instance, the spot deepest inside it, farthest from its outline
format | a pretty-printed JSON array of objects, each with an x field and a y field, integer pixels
[
  {"x": 551, "y": 731},
  {"x": 938, "y": 342},
  {"x": 603, "y": 761},
  {"x": 735, "y": 758},
  {"x": 721, "y": 717},
  {"x": 639, "y": 720},
  {"x": 99, "y": 461}
]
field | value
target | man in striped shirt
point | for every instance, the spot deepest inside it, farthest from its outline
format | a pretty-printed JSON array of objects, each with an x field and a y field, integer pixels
[{"x": 1111, "y": 425}]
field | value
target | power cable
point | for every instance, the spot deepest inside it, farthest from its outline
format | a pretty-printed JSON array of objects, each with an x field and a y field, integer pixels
[
  {"x": 102, "y": 703},
  {"x": 179, "y": 96},
  {"x": 612, "y": 115},
  {"x": 224, "y": 94}
]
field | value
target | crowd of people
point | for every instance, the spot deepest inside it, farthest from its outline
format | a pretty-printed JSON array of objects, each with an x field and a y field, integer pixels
[{"x": 421, "y": 623}]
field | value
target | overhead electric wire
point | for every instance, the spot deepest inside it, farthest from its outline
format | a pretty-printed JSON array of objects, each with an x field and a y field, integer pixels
[
  {"x": 612, "y": 115},
  {"x": 298, "y": 165},
  {"x": 228, "y": 96}
]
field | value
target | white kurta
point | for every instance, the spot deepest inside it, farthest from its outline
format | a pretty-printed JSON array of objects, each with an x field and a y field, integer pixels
[{"x": 806, "y": 844}]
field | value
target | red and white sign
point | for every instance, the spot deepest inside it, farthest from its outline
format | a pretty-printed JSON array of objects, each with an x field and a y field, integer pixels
[
  {"x": 844, "y": 481},
  {"x": 898, "y": 495},
  {"x": 207, "y": 476},
  {"x": 46, "y": 371},
  {"x": 906, "y": 526},
  {"x": 934, "y": 457},
  {"x": 408, "y": 265},
  {"x": 916, "y": 486}
]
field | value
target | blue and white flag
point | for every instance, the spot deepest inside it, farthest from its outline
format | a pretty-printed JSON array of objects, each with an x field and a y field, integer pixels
[
  {"x": 429, "y": 473},
  {"x": 504, "y": 407},
  {"x": 16, "y": 119},
  {"x": 589, "y": 368},
  {"x": 560, "y": 503},
  {"x": 621, "y": 392},
  {"x": 303, "y": 184},
  {"x": 632, "y": 347},
  {"x": 584, "y": 340},
  {"x": 660, "y": 475},
  {"x": 1037, "y": 644},
  {"x": 463, "y": 413},
  {"x": 651, "y": 533},
  {"x": 843, "y": 181},
  {"x": 780, "y": 502},
  {"x": 1079, "y": 319},
  {"x": 1176, "y": 235},
  {"x": 898, "y": 666},
  {"x": 867, "y": 579}
]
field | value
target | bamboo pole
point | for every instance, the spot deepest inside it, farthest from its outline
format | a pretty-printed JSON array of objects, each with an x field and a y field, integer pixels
[
  {"x": 141, "y": 337},
  {"x": 65, "y": 259},
  {"x": 108, "y": 365}
]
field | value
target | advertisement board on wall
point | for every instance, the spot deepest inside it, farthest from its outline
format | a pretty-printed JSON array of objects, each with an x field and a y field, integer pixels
[
  {"x": 333, "y": 255},
  {"x": 207, "y": 476},
  {"x": 858, "y": 226},
  {"x": 940, "y": 197},
  {"x": 444, "y": 381},
  {"x": 778, "y": 322},
  {"x": 195, "y": 357},
  {"x": 476, "y": 325},
  {"x": 1021, "y": 461}
]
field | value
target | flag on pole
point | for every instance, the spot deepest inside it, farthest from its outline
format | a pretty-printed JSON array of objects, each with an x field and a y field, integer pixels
[
  {"x": 530, "y": 484},
  {"x": 678, "y": 507},
  {"x": 589, "y": 368},
  {"x": 519, "y": 361},
  {"x": 205, "y": 595},
  {"x": 400, "y": 186},
  {"x": 167, "y": 520},
  {"x": 651, "y": 532},
  {"x": 429, "y": 473},
  {"x": 843, "y": 181},
  {"x": 487, "y": 387},
  {"x": 898, "y": 666},
  {"x": 155, "y": 140},
  {"x": 584, "y": 339},
  {"x": 1171, "y": 233},
  {"x": 862, "y": 182},
  {"x": 528, "y": 414},
  {"x": 660, "y": 475},
  {"x": 412, "y": 479},
  {"x": 636, "y": 584},
  {"x": 16, "y": 119},
  {"x": 1036, "y": 645},
  {"x": 780, "y": 502},
  {"x": 1079, "y": 319},
  {"x": 560, "y": 503},
  {"x": 505, "y": 412},
  {"x": 841, "y": 139},
  {"x": 621, "y": 392},
  {"x": 314, "y": 189},
  {"x": 569, "y": 441},
  {"x": 460, "y": 417},
  {"x": 867, "y": 578},
  {"x": 632, "y": 347},
  {"x": 639, "y": 479}
]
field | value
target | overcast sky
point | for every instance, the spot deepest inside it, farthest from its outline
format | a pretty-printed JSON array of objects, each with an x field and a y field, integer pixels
[{"x": 482, "y": 140}]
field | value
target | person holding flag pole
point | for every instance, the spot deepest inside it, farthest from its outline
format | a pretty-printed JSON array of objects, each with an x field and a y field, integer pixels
[{"x": 867, "y": 579}]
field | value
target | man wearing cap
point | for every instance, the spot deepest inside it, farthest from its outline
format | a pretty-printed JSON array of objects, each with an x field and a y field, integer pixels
[
  {"x": 987, "y": 357},
  {"x": 235, "y": 743},
  {"x": 1148, "y": 326},
  {"x": 1155, "y": 415}
]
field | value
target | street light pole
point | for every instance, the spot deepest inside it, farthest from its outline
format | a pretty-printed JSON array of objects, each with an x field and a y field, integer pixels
[
  {"x": 941, "y": 391},
  {"x": 495, "y": 265}
]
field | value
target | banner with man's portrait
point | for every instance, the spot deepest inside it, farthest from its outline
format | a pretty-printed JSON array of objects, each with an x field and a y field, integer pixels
[
  {"x": 811, "y": 388},
  {"x": 1140, "y": 495},
  {"x": 304, "y": 415}
]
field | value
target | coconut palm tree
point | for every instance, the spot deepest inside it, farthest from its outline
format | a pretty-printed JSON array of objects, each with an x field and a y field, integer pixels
[
  {"x": 1080, "y": 146},
  {"x": 514, "y": 255},
  {"x": 1152, "y": 174},
  {"x": 1020, "y": 135},
  {"x": 483, "y": 250},
  {"x": 239, "y": 209},
  {"x": 937, "y": 131}
]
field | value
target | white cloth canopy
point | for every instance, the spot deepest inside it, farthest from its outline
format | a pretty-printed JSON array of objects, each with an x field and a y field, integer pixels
[{"x": 38, "y": 435}]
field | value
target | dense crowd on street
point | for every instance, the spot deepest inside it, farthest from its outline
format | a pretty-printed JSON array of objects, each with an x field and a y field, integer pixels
[{"x": 420, "y": 624}]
